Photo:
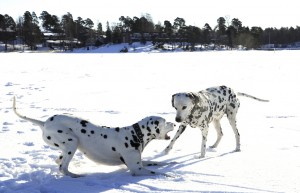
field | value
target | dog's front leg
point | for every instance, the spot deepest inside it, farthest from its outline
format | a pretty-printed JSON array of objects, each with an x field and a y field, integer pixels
[
  {"x": 204, "y": 139},
  {"x": 180, "y": 130},
  {"x": 134, "y": 163}
]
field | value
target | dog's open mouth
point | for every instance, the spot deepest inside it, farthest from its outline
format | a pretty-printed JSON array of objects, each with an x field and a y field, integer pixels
[
  {"x": 169, "y": 128},
  {"x": 167, "y": 137}
]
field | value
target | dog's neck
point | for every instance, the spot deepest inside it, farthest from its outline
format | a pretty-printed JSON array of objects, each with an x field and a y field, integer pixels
[
  {"x": 195, "y": 112},
  {"x": 144, "y": 136},
  {"x": 138, "y": 132}
]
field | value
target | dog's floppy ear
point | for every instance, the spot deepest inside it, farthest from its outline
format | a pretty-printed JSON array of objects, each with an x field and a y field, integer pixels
[
  {"x": 173, "y": 100},
  {"x": 194, "y": 98}
]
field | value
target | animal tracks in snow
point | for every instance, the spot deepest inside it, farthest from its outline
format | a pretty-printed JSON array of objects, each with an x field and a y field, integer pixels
[{"x": 281, "y": 117}]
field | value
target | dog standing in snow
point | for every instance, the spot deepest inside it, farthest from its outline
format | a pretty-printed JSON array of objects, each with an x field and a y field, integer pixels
[
  {"x": 110, "y": 146},
  {"x": 198, "y": 109}
]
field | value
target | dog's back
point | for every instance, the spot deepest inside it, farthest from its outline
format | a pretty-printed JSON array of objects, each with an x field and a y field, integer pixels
[{"x": 221, "y": 99}]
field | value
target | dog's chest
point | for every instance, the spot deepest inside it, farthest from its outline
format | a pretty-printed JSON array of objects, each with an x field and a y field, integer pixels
[{"x": 200, "y": 116}]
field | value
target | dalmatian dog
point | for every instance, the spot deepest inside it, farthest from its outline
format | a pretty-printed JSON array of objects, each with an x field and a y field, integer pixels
[
  {"x": 198, "y": 109},
  {"x": 110, "y": 146}
]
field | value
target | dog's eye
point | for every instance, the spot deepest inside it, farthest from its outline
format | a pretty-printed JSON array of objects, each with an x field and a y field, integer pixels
[{"x": 184, "y": 107}]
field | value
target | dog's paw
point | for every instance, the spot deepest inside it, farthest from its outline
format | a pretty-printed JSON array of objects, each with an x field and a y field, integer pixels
[
  {"x": 210, "y": 149},
  {"x": 169, "y": 175},
  {"x": 166, "y": 151},
  {"x": 72, "y": 175},
  {"x": 199, "y": 156},
  {"x": 77, "y": 176}
]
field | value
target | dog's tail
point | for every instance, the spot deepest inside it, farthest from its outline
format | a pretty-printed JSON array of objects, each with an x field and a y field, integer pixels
[
  {"x": 249, "y": 96},
  {"x": 34, "y": 121}
]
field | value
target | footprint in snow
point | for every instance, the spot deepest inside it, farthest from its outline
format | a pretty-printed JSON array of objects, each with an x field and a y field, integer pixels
[
  {"x": 4, "y": 129},
  {"x": 7, "y": 123},
  {"x": 10, "y": 94},
  {"x": 28, "y": 144},
  {"x": 9, "y": 84},
  {"x": 112, "y": 112},
  {"x": 19, "y": 160}
]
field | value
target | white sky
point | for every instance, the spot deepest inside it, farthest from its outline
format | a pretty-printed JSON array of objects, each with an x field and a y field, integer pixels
[{"x": 261, "y": 13}]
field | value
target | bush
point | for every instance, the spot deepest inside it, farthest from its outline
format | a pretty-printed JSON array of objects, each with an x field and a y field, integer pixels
[{"x": 124, "y": 50}]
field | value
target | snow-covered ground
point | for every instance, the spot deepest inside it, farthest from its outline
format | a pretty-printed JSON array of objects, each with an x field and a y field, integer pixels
[{"x": 120, "y": 89}]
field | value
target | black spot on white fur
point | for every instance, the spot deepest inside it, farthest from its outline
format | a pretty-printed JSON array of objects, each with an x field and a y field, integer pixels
[
  {"x": 126, "y": 145},
  {"x": 135, "y": 139},
  {"x": 122, "y": 160},
  {"x": 83, "y": 123},
  {"x": 135, "y": 145}
]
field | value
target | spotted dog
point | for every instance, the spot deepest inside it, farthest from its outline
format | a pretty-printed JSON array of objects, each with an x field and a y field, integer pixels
[
  {"x": 198, "y": 109},
  {"x": 110, "y": 146}
]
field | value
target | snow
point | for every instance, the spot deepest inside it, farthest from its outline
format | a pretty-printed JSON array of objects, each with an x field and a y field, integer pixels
[
  {"x": 135, "y": 47},
  {"x": 120, "y": 89}
]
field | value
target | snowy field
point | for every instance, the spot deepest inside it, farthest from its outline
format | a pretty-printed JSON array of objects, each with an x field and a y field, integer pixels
[{"x": 120, "y": 89}]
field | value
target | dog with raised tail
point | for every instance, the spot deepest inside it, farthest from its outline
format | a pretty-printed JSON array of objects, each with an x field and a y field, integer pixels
[
  {"x": 198, "y": 109},
  {"x": 110, "y": 146}
]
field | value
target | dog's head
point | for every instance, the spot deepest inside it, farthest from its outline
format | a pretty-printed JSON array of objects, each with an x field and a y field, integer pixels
[
  {"x": 155, "y": 128},
  {"x": 184, "y": 103}
]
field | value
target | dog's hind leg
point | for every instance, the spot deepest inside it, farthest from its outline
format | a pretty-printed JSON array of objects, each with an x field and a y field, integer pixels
[
  {"x": 232, "y": 121},
  {"x": 218, "y": 128},
  {"x": 68, "y": 151},
  {"x": 59, "y": 160}
]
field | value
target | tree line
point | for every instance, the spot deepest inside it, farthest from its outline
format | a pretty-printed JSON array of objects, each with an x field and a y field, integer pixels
[{"x": 230, "y": 33}]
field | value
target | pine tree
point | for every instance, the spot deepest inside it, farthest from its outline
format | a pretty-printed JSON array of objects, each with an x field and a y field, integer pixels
[
  {"x": 108, "y": 33},
  {"x": 7, "y": 26},
  {"x": 50, "y": 22},
  {"x": 31, "y": 30}
]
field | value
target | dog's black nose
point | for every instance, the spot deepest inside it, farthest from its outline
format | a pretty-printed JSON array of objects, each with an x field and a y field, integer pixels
[{"x": 177, "y": 119}]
